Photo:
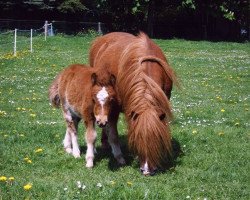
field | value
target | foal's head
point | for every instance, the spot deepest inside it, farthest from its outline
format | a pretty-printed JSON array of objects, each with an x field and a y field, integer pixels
[{"x": 103, "y": 95}]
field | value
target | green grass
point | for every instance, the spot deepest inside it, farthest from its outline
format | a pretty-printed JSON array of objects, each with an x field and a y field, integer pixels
[{"x": 211, "y": 126}]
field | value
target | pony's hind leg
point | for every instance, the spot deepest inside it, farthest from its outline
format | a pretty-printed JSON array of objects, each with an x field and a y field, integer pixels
[
  {"x": 70, "y": 140},
  {"x": 90, "y": 140},
  {"x": 114, "y": 143},
  {"x": 67, "y": 142}
]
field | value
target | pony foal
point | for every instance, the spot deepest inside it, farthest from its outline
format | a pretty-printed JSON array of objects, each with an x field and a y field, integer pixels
[{"x": 88, "y": 94}]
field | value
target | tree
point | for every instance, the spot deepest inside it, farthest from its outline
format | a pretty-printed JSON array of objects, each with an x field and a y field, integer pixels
[
  {"x": 231, "y": 10},
  {"x": 70, "y": 6}
]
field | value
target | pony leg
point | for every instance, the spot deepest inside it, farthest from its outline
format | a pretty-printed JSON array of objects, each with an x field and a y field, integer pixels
[
  {"x": 70, "y": 141},
  {"x": 104, "y": 140},
  {"x": 67, "y": 142},
  {"x": 76, "y": 150},
  {"x": 90, "y": 140},
  {"x": 114, "y": 143}
]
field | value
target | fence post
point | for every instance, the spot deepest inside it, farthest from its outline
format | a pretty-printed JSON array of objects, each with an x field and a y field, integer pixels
[
  {"x": 99, "y": 30},
  {"x": 31, "y": 35},
  {"x": 15, "y": 42},
  {"x": 45, "y": 30}
]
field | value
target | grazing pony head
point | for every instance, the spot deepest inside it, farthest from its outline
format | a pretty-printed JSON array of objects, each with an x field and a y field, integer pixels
[{"x": 103, "y": 95}]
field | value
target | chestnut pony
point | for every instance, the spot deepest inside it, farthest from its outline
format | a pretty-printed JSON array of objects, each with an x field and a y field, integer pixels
[
  {"x": 144, "y": 84},
  {"x": 85, "y": 93}
]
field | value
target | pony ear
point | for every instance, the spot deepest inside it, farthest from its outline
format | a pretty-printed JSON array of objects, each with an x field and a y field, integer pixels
[
  {"x": 93, "y": 78},
  {"x": 112, "y": 79}
]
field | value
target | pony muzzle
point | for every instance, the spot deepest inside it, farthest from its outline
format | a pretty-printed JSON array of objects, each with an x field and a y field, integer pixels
[
  {"x": 146, "y": 171},
  {"x": 101, "y": 121}
]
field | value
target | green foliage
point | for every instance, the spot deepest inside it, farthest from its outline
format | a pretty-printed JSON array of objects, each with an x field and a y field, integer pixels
[
  {"x": 189, "y": 3},
  {"x": 227, "y": 13},
  {"x": 71, "y": 6},
  {"x": 211, "y": 126}
]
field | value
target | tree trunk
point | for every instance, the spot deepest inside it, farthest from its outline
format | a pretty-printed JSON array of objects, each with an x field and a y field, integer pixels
[{"x": 150, "y": 19}]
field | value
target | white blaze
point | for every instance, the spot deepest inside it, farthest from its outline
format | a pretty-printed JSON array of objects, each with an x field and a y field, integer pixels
[{"x": 102, "y": 95}]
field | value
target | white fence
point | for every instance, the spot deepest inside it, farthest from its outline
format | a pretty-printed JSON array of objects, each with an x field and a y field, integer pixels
[
  {"x": 17, "y": 36},
  {"x": 12, "y": 39}
]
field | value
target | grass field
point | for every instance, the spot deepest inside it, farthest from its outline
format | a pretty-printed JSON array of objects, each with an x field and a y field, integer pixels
[{"x": 211, "y": 126}]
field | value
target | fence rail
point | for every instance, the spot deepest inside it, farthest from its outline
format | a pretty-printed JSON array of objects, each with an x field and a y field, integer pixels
[
  {"x": 12, "y": 30},
  {"x": 59, "y": 26},
  {"x": 28, "y": 34}
]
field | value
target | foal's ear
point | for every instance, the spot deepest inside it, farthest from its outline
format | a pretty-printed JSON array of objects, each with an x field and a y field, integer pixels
[
  {"x": 112, "y": 79},
  {"x": 93, "y": 78}
]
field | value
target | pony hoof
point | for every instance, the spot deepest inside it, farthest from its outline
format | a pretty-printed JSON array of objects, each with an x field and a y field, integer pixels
[
  {"x": 68, "y": 150},
  {"x": 89, "y": 164},
  {"x": 76, "y": 154},
  {"x": 121, "y": 161}
]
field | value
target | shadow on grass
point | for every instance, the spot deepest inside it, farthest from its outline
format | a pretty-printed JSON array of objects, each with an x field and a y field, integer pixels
[{"x": 130, "y": 158}]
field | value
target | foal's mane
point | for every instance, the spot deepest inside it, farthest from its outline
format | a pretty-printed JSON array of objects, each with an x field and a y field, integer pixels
[{"x": 148, "y": 136}]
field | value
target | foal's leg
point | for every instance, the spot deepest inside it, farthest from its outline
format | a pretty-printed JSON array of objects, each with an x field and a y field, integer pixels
[
  {"x": 90, "y": 140},
  {"x": 114, "y": 141},
  {"x": 70, "y": 141}
]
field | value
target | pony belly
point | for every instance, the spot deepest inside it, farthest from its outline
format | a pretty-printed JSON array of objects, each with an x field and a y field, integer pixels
[{"x": 73, "y": 112}]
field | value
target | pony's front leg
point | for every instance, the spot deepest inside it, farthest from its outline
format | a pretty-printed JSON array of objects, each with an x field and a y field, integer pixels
[
  {"x": 90, "y": 140},
  {"x": 70, "y": 141},
  {"x": 114, "y": 143}
]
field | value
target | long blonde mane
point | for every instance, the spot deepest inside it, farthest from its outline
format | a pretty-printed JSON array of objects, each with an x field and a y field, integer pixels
[{"x": 148, "y": 136}]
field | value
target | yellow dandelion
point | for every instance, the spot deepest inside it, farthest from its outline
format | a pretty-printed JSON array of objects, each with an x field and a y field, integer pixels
[
  {"x": 194, "y": 131},
  {"x": 26, "y": 159},
  {"x": 222, "y": 110},
  {"x": 129, "y": 183},
  {"x": 29, "y": 161},
  {"x": 112, "y": 182},
  {"x": 220, "y": 133},
  {"x": 3, "y": 178},
  {"x": 218, "y": 97},
  {"x": 11, "y": 178},
  {"x": 27, "y": 186},
  {"x": 33, "y": 115},
  {"x": 38, "y": 150}
]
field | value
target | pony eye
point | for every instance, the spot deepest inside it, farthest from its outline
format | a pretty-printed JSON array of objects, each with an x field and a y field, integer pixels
[
  {"x": 134, "y": 115},
  {"x": 162, "y": 116}
]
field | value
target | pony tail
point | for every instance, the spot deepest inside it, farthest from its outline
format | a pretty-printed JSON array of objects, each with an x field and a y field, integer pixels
[
  {"x": 54, "y": 94},
  {"x": 150, "y": 138}
]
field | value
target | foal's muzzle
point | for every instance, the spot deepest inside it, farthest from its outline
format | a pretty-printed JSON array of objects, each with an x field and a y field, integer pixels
[{"x": 101, "y": 124}]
